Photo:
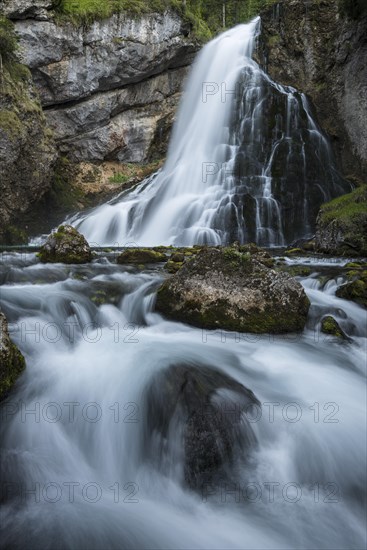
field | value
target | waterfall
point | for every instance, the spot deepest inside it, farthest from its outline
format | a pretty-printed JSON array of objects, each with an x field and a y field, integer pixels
[{"x": 247, "y": 161}]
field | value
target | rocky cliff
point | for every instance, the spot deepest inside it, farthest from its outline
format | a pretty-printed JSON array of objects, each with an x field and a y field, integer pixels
[
  {"x": 106, "y": 91},
  {"x": 311, "y": 45}
]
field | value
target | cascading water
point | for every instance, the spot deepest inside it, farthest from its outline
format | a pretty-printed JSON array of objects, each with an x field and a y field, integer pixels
[
  {"x": 246, "y": 162},
  {"x": 103, "y": 444},
  {"x": 93, "y": 439}
]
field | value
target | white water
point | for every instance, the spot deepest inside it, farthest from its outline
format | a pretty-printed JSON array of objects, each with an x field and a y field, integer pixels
[
  {"x": 325, "y": 448},
  {"x": 218, "y": 183}
]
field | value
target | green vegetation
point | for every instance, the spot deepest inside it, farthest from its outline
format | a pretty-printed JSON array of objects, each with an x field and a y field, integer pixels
[
  {"x": 330, "y": 326},
  {"x": 347, "y": 206},
  {"x": 8, "y": 41},
  {"x": 353, "y": 8},
  {"x": 118, "y": 178},
  {"x": 206, "y": 18}
]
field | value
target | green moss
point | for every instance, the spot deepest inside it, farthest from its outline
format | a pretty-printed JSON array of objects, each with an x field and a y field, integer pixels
[
  {"x": 330, "y": 326},
  {"x": 297, "y": 270},
  {"x": 10, "y": 124},
  {"x": 346, "y": 207},
  {"x": 141, "y": 256},
  {"x": 11, "y": 368},
  {"x": 293, "y": 251},
  {"x": 8, "y": 41},
  {"x": 355, "y": 291}
]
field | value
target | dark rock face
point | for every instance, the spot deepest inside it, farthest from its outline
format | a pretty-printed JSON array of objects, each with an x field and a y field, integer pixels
[
  {"x": 356, "y": 291},
  {"x": 197, "y": 414},
  {"x": 311, "y": 46},
  {"x": 66, "y": 246},
  {"x": 27, "y": 150},
  {"x": 341, "y": 226},
  {"x": 12, "y": 362},
  {"x": 234, "y": 289}
]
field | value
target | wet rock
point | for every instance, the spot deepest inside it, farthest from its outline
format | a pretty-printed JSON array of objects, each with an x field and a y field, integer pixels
[
  {"x": 341, "y": 227},
  {"x": 233, "y": 289},
  {"x": 197, "y": 415},
  {"x": 313, "y": 47},
  {"x": 141, "y": 256},
  {"x": 66, "y": 245},
  {"x": 356, "y": 291},
  {"x": 330, "y": 326},
  {"x": 12, "y": 362}
]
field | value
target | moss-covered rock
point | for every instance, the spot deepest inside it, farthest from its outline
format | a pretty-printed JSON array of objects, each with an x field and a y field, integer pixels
[
  {"x": 141, "y": 256},
  {"x": 233, "y": 289},
  {"x": 330, "y": 326},
  {"x": 12, "y": 362},
  {"x": 67, "y": 246},
  {"x": 356, "y": 291},
  {"x": 341, "y": 226}
]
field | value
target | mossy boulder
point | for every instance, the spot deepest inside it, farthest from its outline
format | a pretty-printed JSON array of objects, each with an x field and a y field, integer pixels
[
  {"x": 330, "y": 326},
  {"x": 203, "y": 405},
  {"x": 341, "y": 226},
  {"x": 12, "y": 362},
  {"x": 356, "y": 290},
  {"x": 67, "y": 246},
  {"x": 232, "y": 288},
  {"x": 141, "y": 256}
]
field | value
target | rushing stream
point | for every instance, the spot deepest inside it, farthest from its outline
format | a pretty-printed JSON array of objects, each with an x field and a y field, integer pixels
[
  {"x": 76, "y": 472},
  {"x": 82, "y": 467}
]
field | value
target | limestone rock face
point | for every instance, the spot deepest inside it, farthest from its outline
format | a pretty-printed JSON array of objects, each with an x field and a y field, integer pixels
[
  {"x": 234, "y": 290},
  {"x": 24, "y": 9},
  {"x": 66, "y": 246},
  {"x": 111, "y": 89},
  {"x": 11, "y": 360},
  {"x": 313, "y": 47}
]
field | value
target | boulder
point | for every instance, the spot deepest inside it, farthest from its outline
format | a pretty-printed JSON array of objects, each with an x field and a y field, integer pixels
[
  {"x": 330, "y": 326},
  {"x": 233, "y": 289},
  {"x": 12, "y": 362},
  {"x": 201, "y": 414},
  {"x": 341, "y": 226},
  {"x": 141, "y": 256},
  {"x": 356, "y": 291},
  {"x": 67, "y": 246}
]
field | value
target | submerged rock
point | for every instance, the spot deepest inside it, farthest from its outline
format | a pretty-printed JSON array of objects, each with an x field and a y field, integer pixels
[
  {"x": 12, "y": 362},
  {"x": 330, "y": 326},
  {"x": 141, "y": 256},
  {"x": 197, "y": 415},
  {"x": 67, "y": 246},
  {"x": 341, "y": 226},
  {"x": 234, "y": 289}
]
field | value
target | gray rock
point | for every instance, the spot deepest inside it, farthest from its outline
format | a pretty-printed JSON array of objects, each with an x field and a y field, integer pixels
[
  {"x": 66, "y": 245},
  {"x": 310, "y": 46},
  {"x": 120, "y": 124},
  {"x": 12, "y": 362},
  {"x": 198, "y": 414},
  {"x": 234, "y": 290},
  {"x": 27, "y": 150},
  {"x": 27, "y": 9},
  {"x": 70, "y": 63}
]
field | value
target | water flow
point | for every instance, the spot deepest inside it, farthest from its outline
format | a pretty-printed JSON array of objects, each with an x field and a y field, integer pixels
[
  {"x": 82, "y": 466},
  {"x": 246, "y": 162}
]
